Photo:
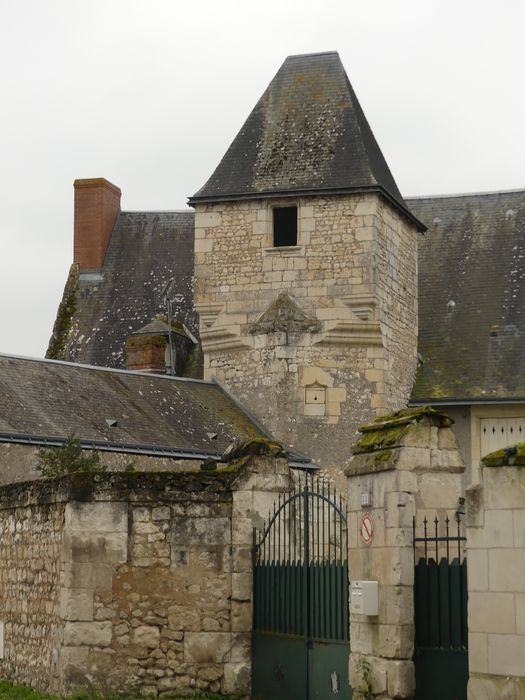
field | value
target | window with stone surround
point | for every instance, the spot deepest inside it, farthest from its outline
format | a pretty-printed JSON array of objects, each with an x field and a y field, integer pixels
[{"x": 284, "y": 226}]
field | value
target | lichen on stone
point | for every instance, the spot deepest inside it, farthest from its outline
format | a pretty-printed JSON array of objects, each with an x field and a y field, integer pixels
[
  {"x": 389, "y": 430},
  {"x": 379, "y": 439},
  {"x": 511, "y": 456},
  {"x": 284, "y": 314},
  {"x": 411, "y": 415},
  {"x": 257, "y": 446},
  {"x": 383, "y": 456}
]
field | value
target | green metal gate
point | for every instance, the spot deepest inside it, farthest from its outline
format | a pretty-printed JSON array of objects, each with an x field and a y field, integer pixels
[
  {"x": 300, "y": 606},
  {"x": 440, "y": 606}
]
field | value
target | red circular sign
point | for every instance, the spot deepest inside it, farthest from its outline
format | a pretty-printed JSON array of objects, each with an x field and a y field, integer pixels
[{"x": 366, "y": 528}]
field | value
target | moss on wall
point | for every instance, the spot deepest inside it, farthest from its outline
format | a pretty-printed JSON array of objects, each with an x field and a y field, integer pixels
[
  {"x": 389, "y": 430},
  {"x": 64, "y": 320},
  {"x": 258, "y": 446},
  {"x": 140, "y": 341},
  {"x": 512, "y": 456},
  {"x": 194, "y": 363}
]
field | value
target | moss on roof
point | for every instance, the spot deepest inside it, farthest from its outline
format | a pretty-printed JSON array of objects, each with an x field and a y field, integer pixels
[
  {"x": 471, "y": 297},
  {"x": 55, "y": 399}
]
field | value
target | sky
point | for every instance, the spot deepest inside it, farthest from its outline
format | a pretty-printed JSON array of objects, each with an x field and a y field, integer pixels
[{"x": 150, "y": 93}]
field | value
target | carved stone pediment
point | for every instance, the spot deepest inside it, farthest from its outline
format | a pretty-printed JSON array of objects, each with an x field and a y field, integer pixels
[{"x": 284, "y": 314}]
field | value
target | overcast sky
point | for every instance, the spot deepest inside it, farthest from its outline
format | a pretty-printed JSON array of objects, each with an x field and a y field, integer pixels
[{"x": 150, "y": 93}]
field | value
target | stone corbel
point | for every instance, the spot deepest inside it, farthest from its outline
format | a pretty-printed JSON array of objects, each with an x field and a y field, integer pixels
[
  {"x": 351, "y": 333},
  {"x": 363, "y": 306},
  {"x": 221, "y": 338},
  {"x": 352, "y": 320},
  {"x": 208, "y": 312}
]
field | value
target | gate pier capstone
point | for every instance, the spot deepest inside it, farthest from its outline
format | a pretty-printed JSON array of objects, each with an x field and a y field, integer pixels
[{"x": 405, "y": 465}]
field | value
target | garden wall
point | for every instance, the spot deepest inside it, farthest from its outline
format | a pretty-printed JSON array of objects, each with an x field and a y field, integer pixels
[{"x": 133, "y": 582}]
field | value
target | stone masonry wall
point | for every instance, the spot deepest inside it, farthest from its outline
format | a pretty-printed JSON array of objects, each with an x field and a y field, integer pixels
[
  {"x": 30, "y": 571},
  {"x": 496, "y": 578},
  {"x": 352, "y": 335},
  {"x": 408, "y": 463},
  {"x": 139, "y": 582},
  {"x": 395, "y": 276}
]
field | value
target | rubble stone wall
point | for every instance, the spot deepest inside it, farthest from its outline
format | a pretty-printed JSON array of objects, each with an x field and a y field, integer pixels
[
  {"x": 30, "y": 572},
  {"x": 134, "y": 582}
]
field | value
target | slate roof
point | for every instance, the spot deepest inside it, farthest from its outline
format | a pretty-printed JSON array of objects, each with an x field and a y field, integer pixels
[
  {"x": 44, "y": 400},
  {"x": 146, "y": 249},
  {"x": 471, "y": 297},
  {"x": 307, "y": 134}
]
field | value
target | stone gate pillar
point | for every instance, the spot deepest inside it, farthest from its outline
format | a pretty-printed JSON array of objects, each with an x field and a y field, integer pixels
[
  {"x": 405, "y": 464},
  {"x": 496, "y": 581}
]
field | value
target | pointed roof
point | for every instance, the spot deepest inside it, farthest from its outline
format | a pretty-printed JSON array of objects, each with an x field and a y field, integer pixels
[{"x": 306, "y": 135}]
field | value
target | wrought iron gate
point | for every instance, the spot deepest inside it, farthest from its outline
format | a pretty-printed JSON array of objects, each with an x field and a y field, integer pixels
[
  {"x": 300, "y": 604},
  {"x": 440, "y": 606}
]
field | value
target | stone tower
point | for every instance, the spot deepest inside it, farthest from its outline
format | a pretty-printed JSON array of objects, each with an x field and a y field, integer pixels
[{"x": 306, "y": 267}]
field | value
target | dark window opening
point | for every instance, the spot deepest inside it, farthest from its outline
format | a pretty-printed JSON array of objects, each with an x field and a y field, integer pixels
[{"x": 284, "y": 226}]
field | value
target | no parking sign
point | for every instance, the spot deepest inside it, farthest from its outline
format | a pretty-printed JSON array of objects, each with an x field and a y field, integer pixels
[{"x": 366, "y": 528}]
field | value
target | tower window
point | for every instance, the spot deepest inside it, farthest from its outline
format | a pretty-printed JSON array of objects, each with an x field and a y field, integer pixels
[{"x": 284, "y": 226}]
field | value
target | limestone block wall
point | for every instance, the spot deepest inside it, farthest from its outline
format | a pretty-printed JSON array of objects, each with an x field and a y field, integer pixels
[
  {"x": 144, "y": 580},
  {"x": 351, "y": 335},
  {"x": 408, "y": 464},
  {"x": 395, "y": 276},
  {"x": 496, "y": 578}
]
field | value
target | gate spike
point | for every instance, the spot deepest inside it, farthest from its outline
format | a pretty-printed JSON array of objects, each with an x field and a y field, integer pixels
[
  {"x": 273, "y": 528},
  {"x": 447, "y": 521},
  {"x": 436, "y": 525},
  {"x": 277, "y": 524},
  {"x": 459, "y": 540}
]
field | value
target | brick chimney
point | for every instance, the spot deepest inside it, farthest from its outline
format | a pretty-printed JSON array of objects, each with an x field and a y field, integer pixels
[
  {"x": 97, "y": 204},
  {"x": 146, "y": 353}
]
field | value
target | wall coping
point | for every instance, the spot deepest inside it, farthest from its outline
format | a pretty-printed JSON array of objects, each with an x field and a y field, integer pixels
[
  {"x": 511, "y": 456},
  {"x": 139, "y": 487}
]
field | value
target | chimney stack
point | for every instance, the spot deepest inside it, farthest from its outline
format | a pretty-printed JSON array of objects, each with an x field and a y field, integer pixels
[
  {"x": 97, "y": 204},
  {"x": 146, "y": 353}
]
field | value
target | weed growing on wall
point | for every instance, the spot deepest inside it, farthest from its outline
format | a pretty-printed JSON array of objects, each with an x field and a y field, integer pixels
[
  {"x": 365, "y": 689},
  {"x": 68, "y": 458}
]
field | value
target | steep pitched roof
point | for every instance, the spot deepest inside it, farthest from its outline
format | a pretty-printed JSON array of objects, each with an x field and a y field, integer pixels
[
  {"x": 471, "y": 297},
  {"x": 45, "y": 400},
  {"x": 100, "y": 310},
  {"x": 307, "y": 134}
]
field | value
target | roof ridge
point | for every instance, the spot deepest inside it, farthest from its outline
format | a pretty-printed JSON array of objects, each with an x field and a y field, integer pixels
[
  {"x": 156, "y": 211},
  {"x": 81, "y": 365},
  {"x": 485, "y": 193},
  {"x": 313, "y": 53}
]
